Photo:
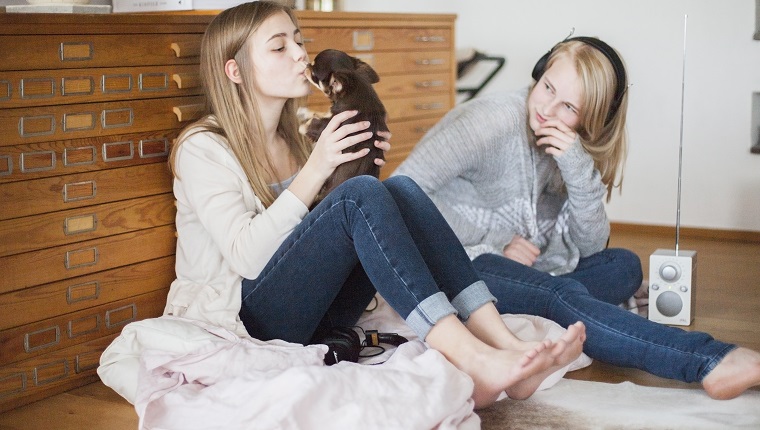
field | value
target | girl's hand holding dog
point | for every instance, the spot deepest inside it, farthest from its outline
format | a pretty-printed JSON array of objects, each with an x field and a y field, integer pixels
[
  {"x": 384, "y": 145},
  {"x": 328, "y": 154},
  {"x": 556, "y": 137}
]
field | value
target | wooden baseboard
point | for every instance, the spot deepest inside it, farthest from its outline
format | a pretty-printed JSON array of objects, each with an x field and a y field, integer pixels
[{"x": 687, "y": 232}]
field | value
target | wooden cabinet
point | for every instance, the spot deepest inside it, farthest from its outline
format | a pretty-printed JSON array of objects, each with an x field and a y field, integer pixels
[{"x": 89, "y": 106}]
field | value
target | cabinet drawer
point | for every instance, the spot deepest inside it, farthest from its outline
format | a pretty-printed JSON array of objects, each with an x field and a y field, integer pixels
[
  {"x": 46, "y": 159},
  {"x": 406, "y": 62},
  {"x": 67, "y": 86},
  {"x": 375, "y": 39},
  {"x": 45, "y": 195},
  {"x": 406, "y": 134},
  {"x": 67, "y": 330},
  {"x": 29, "y": 269},
  {"x": 65, "y": 227},
  {"x": 76, "y": 294},
  {"x": 39, "y": 377},
  {"x": 76, "y": 51},
  {"x": 399, "y": 86},
  {"x": 403, "y": 108},
  {"x": 40, "y": 124}
]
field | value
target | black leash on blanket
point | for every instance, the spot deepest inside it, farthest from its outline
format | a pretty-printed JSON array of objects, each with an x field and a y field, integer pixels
[{"x": 344, "y": 344}]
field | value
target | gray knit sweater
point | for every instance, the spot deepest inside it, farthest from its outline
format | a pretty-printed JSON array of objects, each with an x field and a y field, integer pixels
[{"x": 492, "y": 183}]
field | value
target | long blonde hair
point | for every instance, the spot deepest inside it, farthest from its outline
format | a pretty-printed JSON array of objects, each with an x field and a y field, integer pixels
[
  {"x": 604, "y": 138},
  {"x": 232, "y": 109}
]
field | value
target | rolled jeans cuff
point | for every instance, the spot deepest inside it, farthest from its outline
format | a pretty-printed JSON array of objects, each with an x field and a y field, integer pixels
[
  {"x": 426, "y": 314},
  {"x": 471, "y": 299}
]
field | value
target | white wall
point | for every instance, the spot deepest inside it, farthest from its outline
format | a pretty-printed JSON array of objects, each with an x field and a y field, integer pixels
[{"x": 721, "y": 178}]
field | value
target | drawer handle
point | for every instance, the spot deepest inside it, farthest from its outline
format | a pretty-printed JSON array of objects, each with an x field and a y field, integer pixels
[
  {"x": 87, "y": 361},
  {"x": 6, "y": 165},
  {"x": 118, "y": 151},
  {"x": 84, "y": 325},
  {"x": 187, "y": 80},
  {"x": 82, "y": 292},
  {"x": 364, "y": 40},
  {"x": 130, "y": 316},
  {"x": 429, "y": 84},
  {"x": 5, "y": 94},
  {"x": 430, "y": 62},
  {"x": 76, "y": 191},
  {"x": 79, "y": 156},
  {"x": 84, "y": 85},
  {"x": 76, "y": 51},
  {"x": 421, "y": 130},
  {"x": 38, "y": 161},
  {"x": 188, "y": 112},
  {"x": 6, "y": 382},
  {"x": 430, "y": 39},
  {"x": 153, "y": 81},
  {"x": 184, "y": 51},
  {"x": 80, "y": 224},
  {"x": 81, "y": 258},
  {"x": 120, "y": 83},
  {"x": 29, "y": 345},
  {"x": 113, "y": 118},
  {"x": 308, "y": 40},
  {"x": 37, "y": 88},
  {"x": 429, "y": 106},
  {"x": 79, "y": 121},
  {"x": 40, "y": 371},
  {"x": 41, "y": 125},
  {"x": 150, "y": 148}
]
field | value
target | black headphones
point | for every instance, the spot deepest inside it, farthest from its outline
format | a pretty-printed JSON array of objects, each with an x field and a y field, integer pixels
[
  {"x": 344, "y": 344},
  {"x": 612, "y": 56}
]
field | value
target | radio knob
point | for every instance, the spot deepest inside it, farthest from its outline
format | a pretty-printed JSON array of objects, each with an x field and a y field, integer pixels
[{"x": 670, "y": 272}]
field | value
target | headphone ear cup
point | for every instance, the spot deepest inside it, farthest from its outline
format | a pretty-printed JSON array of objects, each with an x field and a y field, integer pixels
[
  {"x": 343, "y": 344},
  {"x": 538, "y": 69}
]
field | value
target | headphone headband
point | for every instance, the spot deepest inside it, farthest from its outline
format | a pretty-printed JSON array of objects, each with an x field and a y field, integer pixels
[{"x": 609, "y": 53}]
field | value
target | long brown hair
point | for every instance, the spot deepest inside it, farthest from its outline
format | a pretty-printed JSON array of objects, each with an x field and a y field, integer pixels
[
  {"x": 605, "y": 140},
  {"x": 232, "y": 109}
]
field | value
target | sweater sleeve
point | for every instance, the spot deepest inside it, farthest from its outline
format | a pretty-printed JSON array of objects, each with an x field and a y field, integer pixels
[
  {"x": 585, "y": 214},
  {"x": 212, "y": 186}
]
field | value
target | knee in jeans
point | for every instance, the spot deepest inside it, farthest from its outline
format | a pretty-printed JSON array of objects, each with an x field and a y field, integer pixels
[{"x": 631, "y": 262}]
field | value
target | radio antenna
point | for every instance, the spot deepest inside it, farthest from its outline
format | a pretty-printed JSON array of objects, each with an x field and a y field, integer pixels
[{"x": 680, "y": 145}]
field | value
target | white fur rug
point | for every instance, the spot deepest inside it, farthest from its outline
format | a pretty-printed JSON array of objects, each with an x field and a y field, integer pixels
[{"x": 573, "y": 404}]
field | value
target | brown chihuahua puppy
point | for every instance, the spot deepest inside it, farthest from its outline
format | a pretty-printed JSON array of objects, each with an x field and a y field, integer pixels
[{"x": 347, "y": 81}]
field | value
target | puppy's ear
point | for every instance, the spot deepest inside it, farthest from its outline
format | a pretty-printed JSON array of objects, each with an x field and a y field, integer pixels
[
  {"x": 365, "y": 71},
  {"x": 336, "y": 86}
]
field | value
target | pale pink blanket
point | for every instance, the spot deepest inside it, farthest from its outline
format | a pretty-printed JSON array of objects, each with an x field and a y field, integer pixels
[{"x": 183, "y": 374}]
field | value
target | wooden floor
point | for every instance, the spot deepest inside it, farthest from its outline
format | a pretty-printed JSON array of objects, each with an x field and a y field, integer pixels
[{"x": 728, "y": 300}]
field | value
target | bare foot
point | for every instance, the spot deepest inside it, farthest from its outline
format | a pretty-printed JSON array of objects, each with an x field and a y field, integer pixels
[
  {"x": 495, "y": 370},
  {"x": 738, "y": 371},
  {"x": 565, "y": 351}
]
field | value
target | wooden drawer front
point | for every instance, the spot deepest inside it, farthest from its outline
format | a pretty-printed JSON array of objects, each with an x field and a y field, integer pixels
[
  {"x": 39, "y": 377},
  {"x": 45, "y": 195},
  {"x": 399, "y": 86},
  {"x": 63, "y": 262},
  {"x": 405, "y": 108},
  {"x": 405, "y": 62},
  {"x": 376, "y": 39},
  {"x": 406, "y": 134},
  {"x": 76, "y": 294},
  {"x": 72, "y": 51},
  {"x": 66, "y": 86},
  {"x": 46, "y": 159},
  {"x": 59, "y": 228},
  {"x": 40, "y": 124},
  {"x": 67, "y": 330}
]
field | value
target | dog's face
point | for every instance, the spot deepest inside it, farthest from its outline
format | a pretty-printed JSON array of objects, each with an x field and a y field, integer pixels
[{"x": 330, "y": 68}]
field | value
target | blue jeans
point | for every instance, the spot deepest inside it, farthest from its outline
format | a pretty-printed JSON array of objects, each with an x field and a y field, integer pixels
[
  {"x": 614, "y": 335},
  {"x": 611, "y": 275},
  {"x": 365, "y": 236}
]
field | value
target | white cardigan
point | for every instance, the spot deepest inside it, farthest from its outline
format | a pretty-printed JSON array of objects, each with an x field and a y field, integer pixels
[{"x": 224, "y": 232}]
